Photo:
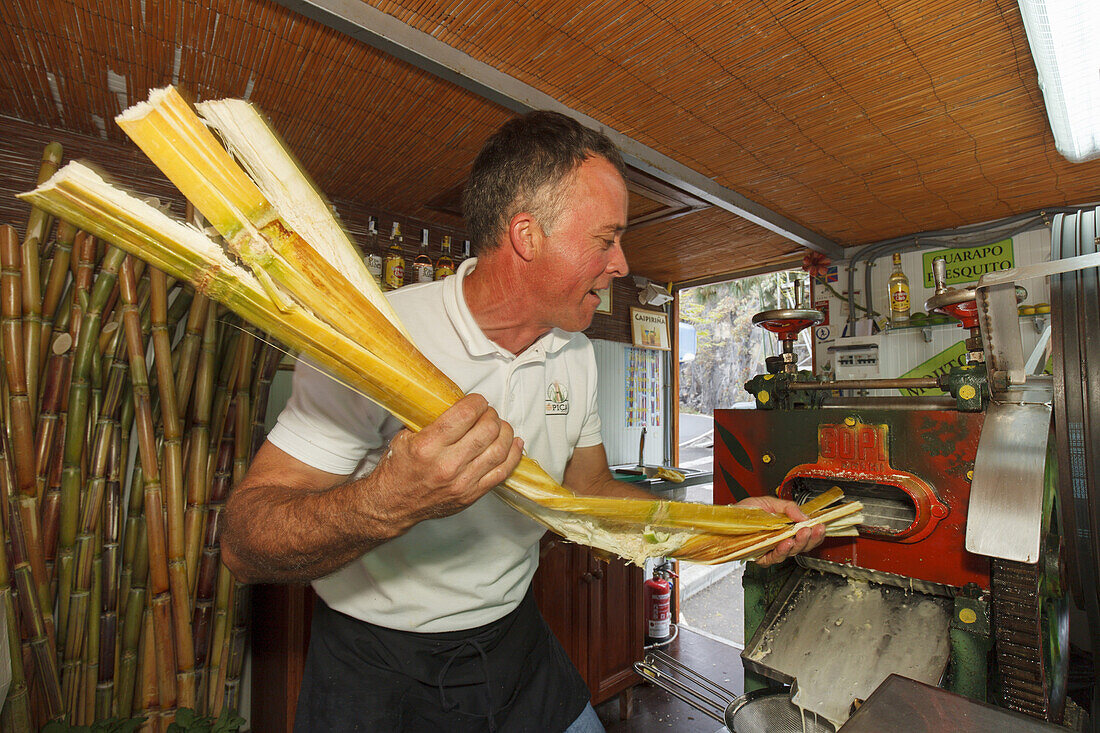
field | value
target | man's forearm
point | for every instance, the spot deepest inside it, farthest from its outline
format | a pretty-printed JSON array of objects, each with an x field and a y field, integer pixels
[
  {"x": 613, "y": 488},
  {"x": 277, "y": 535}
]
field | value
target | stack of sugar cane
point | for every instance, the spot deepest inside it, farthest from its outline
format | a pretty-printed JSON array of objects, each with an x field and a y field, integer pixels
[
  {"x": 110, "y": 577},
  {"x": 293, "y": 272}
]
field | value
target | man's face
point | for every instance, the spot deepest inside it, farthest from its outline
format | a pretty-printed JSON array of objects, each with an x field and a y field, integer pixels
[{"x": 584, "y": 252}]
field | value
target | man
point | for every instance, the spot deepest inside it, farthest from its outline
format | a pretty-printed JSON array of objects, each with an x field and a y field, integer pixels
[{"x": 426, "y": 620}]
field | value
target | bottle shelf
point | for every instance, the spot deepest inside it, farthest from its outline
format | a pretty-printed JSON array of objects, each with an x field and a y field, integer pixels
[{"x": 926, "y": 326}]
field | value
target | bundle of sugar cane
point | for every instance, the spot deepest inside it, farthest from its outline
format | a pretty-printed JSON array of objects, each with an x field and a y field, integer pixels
[{"x": 302, "y": 282}]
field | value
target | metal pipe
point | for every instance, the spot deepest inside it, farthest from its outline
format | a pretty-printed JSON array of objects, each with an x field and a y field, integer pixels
[
  {"x": 900, "y": 383},
  {"x": 937, "y": 402}
]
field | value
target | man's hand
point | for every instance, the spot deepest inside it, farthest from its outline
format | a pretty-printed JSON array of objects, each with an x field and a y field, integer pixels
[
  {"x": 805, "y": 539},
  {"x": 448, "y": 465},
  {"x": 288, "y": 522}
]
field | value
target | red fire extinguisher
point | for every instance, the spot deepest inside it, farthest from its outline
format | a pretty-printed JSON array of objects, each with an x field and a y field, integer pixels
[{"x": 658, "y": 603}]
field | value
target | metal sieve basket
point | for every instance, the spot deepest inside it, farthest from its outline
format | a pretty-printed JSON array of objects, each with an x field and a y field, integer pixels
[
  {"x": 768, "y": 711},
  {"x": 759, "y": 711}
]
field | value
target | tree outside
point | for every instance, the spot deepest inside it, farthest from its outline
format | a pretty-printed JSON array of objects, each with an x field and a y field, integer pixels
[{"x": 729, "y": 349}]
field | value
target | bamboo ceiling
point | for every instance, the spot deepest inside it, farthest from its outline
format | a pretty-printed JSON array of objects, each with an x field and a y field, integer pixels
[{"x": 859, "y": 120}]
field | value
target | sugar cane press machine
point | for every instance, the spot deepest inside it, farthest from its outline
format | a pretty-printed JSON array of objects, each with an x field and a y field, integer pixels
[{"x": 981, "y": 504}]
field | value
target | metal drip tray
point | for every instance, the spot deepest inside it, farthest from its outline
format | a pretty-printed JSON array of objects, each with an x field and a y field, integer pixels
[{"x": 835, "y": 639}]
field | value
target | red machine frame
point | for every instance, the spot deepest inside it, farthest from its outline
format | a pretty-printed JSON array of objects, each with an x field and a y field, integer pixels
[{"x": 759, "y": 452}]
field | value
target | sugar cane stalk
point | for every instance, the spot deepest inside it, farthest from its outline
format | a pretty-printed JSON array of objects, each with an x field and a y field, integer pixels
[
  {"x": 16, "y": 714},
  {"x": 42, "y": 646},
  {"x": 75, "y": 437},
  {"x": 108, "y": 608},
  {"x": 91, "y": 511},
  {"x": 219, "y": 640},
  {"x": 38, "y": 225},
  {"x": 160, "y": 595},
  {"x": 238, "y": 635},
  {"x": 132, "y": 593},
  {"x": 197, "y": 473},
  {"x": 244, "y": 448},
  {"x": 50, "y": 439},
  {"x": 55, "y": 388},
  {"x": 149, "y": 692},
  {"x": 90, "y": 663},
  {"x": 210, "y": 563},
  {"x": 173, "y": 490},
  {"x": 56, "y": 279},
  {"x": 21, "y": 457},
  {"x": 270, "y": 357},
  {"x": 76, "y": 431},
  {"x": 227, "y": 377},
  {"x": 189, "y": 349}
]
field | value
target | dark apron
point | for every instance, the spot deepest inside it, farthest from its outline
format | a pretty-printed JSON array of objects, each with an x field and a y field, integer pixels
[{"x": 511, "y": 675}]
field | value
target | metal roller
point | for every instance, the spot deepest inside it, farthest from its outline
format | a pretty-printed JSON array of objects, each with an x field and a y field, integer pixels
[
  {"x": 1075, "y": 324},
  {"x": 1068, "y": 327}
]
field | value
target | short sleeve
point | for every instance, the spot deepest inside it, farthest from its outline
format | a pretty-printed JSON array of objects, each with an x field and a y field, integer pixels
[
  {"x": 327, "y": 425},
  {"x": 591, "y": 429}
]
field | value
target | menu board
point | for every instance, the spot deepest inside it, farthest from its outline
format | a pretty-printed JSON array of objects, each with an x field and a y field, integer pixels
[{"x": 643, "y": 388}]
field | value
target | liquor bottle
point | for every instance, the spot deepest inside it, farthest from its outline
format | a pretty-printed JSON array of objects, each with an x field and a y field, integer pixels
[
  {"x": 422, "y": 265},
  {"x": 374, "y": 252},
  {"x": 394, "y": 268},
  {"x": 898, "y": 285},
  {"x": 445, "y": 266},
  {"x": 465, "y": 248}
]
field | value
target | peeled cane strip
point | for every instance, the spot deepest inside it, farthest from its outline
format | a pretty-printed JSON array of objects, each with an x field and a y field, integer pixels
[
  {"x": 300, "y": 204},
  {"x": 175, "y": 138},
  {"x": 819, "y": 502},
  {"x": 80, "y": 195},
  {"x": 762, "y": 547},
  {"x": 716, "y": 519},
  {"x": 163, "y": 127},
  {"x": 324, "y": 273},
  {"x": 709, "y": 550}
]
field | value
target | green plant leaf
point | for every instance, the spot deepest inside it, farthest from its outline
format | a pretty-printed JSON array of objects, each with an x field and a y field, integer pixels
[{"x": 228, "y": 722}]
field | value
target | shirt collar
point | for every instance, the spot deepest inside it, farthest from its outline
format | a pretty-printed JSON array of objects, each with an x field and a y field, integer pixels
[{"x": 473, "y": 338}]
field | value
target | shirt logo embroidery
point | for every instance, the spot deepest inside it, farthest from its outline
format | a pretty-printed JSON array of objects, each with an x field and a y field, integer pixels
[{"x": 557, "y": 399}]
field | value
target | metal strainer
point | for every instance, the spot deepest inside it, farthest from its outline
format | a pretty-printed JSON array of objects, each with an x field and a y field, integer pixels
[
  {"x": 768, "y": 711},
  {"x": 759, "y": 711}
]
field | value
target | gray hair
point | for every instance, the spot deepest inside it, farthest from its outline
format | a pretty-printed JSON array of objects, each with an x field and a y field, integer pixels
[{"x": 523, "y": 167}]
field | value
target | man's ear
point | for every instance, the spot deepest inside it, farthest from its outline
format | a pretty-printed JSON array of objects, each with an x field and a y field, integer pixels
[{"x": 525, "y": 235}]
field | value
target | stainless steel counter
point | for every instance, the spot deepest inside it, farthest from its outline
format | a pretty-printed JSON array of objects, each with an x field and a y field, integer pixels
[{"x": 662, "y": 488}]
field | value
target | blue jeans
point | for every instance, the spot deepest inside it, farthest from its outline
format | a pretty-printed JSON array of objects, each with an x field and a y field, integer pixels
[{"x": 586, "y": 722}]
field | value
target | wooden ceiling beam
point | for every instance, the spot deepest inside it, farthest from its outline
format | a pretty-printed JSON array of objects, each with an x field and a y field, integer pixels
[{"x": 369, "y": 25}]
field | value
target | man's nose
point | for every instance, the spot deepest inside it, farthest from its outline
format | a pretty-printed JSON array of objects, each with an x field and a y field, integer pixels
[{"x": 616, "y": 264}]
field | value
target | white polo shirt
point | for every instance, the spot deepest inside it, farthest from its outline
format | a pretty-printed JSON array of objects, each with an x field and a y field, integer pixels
[{"x": 473, "y": 567}]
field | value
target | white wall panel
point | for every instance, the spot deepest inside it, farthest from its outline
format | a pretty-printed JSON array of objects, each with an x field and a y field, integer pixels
[
  {"x": 620, "y": 441},
  {"x": 903, "y": 349}
]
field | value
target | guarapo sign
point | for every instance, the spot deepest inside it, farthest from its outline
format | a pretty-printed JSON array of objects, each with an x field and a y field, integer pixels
[{"x": 966, "y": 265}]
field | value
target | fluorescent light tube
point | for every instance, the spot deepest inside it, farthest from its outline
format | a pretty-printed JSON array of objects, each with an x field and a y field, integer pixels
[{"x": 1064, "y": 36}]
